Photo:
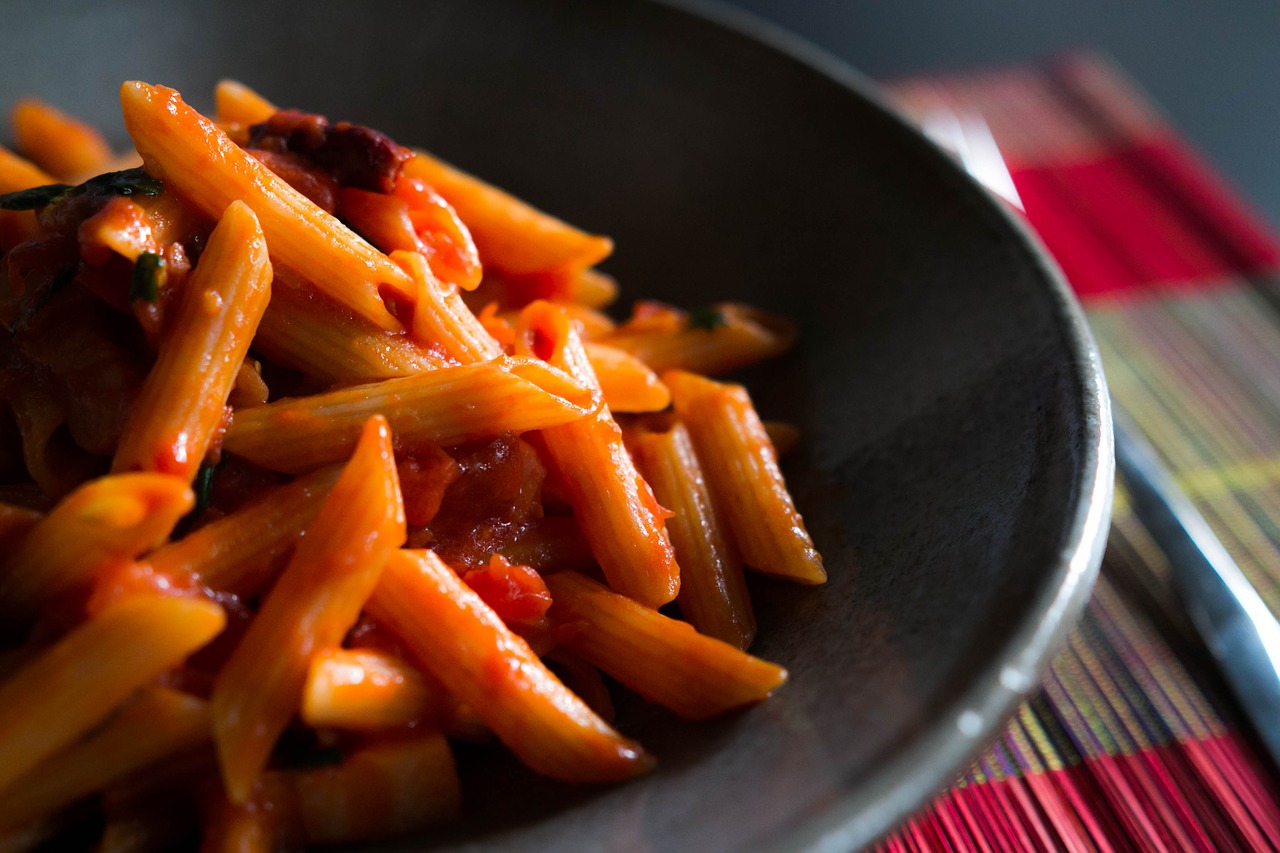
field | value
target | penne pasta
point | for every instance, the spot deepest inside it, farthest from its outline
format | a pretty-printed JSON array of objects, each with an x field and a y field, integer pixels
[
  {"x": 512, "y": 236},
  {"x": 181, "y": 404},
  {"x": 159, "y": 722},
  {"x": 229, "y": 827},
  {"x": 240, "y": 552},
  {"x": 664, "y": 660},
  {"x": 63, "y": 146},
  {"x": 413, "y": 217},
  {"x": 67, "y": 689},
  {"x": 18, "y": 173},
  {"x": 584, "y": 680},
  {"x": 714, "y": 341},
  {"x": 592, "y": 324},
  {"x": 713, "y": 593},
  {"x": 130, "y": 227},
  {"x": 591, "y": 288},
  {"x": 198, "y": 161},
  {"x": 464, "y": 644},
  {"x": 585, "y": 288},
  {"x": 381, "y": 790},
  {"x": 441, "y": 318},
  {"x": 364, "y": 690},
  {"x": 249, "y": 388},
  {"x": 105, "y": 521},
  {"x": 19, "y": 226},
  {"x": 444, "y": 406},
  {"x": 742, "y": 469},
  {"x": 236, "y": 103},
  {"x": 621, "y": 520},
  {"x": 314, "y": 335},
  {"x": 320, "y": 454},
  {"x": 315, "y": 601},
  {"x": 627, "y": 382}
]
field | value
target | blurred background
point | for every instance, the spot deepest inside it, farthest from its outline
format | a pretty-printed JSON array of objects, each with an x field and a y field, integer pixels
[{"x": 1212, "y": 66}]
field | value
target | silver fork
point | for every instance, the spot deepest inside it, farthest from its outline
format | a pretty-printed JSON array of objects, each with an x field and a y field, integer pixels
[{"x": 1233, "y": 621}]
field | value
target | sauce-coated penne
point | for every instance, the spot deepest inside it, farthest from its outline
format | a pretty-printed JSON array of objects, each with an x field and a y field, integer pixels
[
  {"x": 320, "y": 456},
  {"x": 315, "y": 601}
]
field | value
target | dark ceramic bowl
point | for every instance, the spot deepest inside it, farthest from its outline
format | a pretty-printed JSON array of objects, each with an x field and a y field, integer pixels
[{"x": 956, "y": 469}]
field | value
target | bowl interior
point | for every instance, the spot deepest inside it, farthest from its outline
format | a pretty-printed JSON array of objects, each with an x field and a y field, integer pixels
[{"x": 950, "y": 417}]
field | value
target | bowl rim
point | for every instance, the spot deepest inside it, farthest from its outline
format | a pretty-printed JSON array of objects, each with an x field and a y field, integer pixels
[{"x": 937, "y": 757}]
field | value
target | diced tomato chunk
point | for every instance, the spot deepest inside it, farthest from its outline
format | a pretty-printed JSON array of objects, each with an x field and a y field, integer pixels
[{"x": 515, "y": 592}]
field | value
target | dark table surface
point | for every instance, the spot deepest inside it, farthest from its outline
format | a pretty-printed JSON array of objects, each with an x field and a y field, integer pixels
[{"x": 1212, "y": 65}]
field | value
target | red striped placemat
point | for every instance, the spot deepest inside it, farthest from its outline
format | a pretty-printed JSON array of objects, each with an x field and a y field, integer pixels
[{"x": 1132, "y": 742}]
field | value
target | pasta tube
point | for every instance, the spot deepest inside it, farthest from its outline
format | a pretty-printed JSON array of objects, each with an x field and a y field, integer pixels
[
  {"x": 64, "y": 146},
  {"x": 742, "y": 468},
  {"x": 719, "y": 339},
  {"x": 713, "y": 593},
  {"x": 620, "y": 518},
  {"x": 440, "y": 317},
  {"x": 197, "y": 160},
  {"x": 381, "y": 790},
  {"x": 158, "y": 723},
  {"x": 315, "y": 601},
  {"x": 512, "y": 236},
  {"x": 104, "y": 521},
  {"x": 583, "y": 288},
  {"x": 664, "y": 660},
  {"x": 17, "y": 173},
  {"x": 182, "y": 402},
  {"x": 445, "y": 406},
  {"x": 19, "y": 226},
  {"x": 311, "y": 333},
  {"x": 239, "y": 552},
  {"x": 229, "y": 827},
  {"x": 463, "y": 643},
  {"x": 364, "y": 690},
  {"x": 236, "y": 103},
  {"x": 627, "y": 382},
  {"x": 67, "y": 689}
]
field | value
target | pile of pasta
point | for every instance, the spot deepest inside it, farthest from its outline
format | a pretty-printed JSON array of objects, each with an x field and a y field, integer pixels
[{"x": 318, "y": 456}]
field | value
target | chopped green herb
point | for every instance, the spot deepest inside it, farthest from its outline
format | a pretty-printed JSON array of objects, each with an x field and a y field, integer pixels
[
  {"x": 129, "y": 182},
  {"x": 203, "y": 487},
  {"x": 31, "y": 199},
  {"x": 146, "y": 277},
  {"x": 706, "y": 318}
]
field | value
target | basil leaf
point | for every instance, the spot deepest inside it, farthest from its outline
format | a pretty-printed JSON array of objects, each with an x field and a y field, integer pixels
[
  {"x": 34, "y": 198},
  {"x": 129, "y": 182}
]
